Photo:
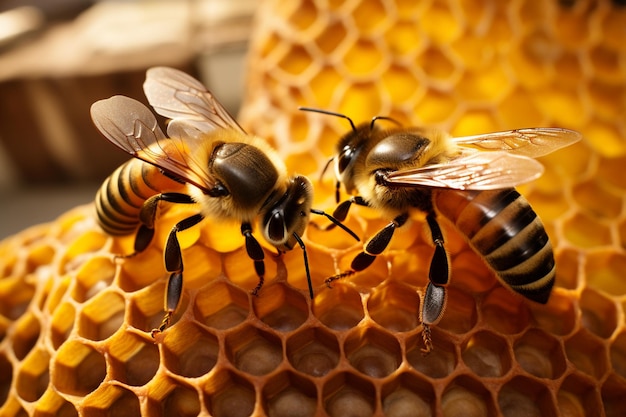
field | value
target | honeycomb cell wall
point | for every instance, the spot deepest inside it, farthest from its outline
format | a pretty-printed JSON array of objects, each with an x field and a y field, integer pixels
[{"x": 75, "y": 319}]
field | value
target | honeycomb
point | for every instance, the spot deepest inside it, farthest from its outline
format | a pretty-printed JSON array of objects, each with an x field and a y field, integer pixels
[{"x": 75, "y": 320}]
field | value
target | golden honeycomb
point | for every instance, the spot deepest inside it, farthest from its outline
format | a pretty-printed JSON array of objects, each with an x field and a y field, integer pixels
[{"x": 75, "y": 321}]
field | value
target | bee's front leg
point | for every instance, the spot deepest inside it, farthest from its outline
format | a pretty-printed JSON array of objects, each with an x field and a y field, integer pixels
[
  {"x": 373, "y": 247},
  {"x": 255, "y": 252}
]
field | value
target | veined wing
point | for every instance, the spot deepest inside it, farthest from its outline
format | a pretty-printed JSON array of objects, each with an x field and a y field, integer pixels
[
  {"x": 132, "y": 127},
  {"x": 476, "y": 171},
  {"x": 180, "y": 97},
  {"x": 532, "y": 142}
]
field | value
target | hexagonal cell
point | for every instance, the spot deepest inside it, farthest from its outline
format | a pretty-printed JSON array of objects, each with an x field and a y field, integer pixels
[
  {"x": 173, "y": 399},
  {"x": 281, "y": 307},
  {"x": 505, "y": 312},
  {"x": 487, "y": 354},
  {"x": 613, "y": 397},
  {"x": 595, "y": 198},
  {"x": 604, "y": 271},
  {"x": 435, "y": 106},
  {"x": 133, "y": 360},
  {"x": 509, "y": 109},
  {"x": 484, "y": 85},
  {"x": 400, "y": 84},
  {"x": 288, "y": 394},
  {"x": 313, "y": 351},
  {"x": 618, "y": 354},
  {"x": 587, "y": 352},
  {"x": 578, "y": 396},
  {"x": 77, "y": 368},
  {"x": 189, "y": 350},
  {"x": 361, "y": 100},
  {"x": 339, "y": 308},
  {"x": 348, "y": 394},
  {"x": 408, "y": 395},
  {"x": 460, "y": 315},
  {"x": 6, "y": 376},
  {"x": 523, "y": 396},
  {"x": 331, "y": 38},
  {"x": 364, "y": 58},
  {"x": 228, "y": 393},
  {"x": 440, "y": 362},
  {"x": 85, "y": 244},
  {"x": 140, "y": 270},
  {"x": 101, "y": 316},
  {"x": 472, "y": 121},
  {"x": 146, "y": 308},
  {"x": 466, "y": 396},
  {"x": 443, "y": 23},
  {"x": 373, "y": 352},
  {"x": 559, "y": 316},
  {"x": 540, "y": 354},
  {"x": 437, "y": 66},
  {"x": 221, "y": 305},
  {"x": 95, "y": 275},
  {"x": 16, "y": 296},
  {"x": 370, "y": 17},
  {"x": 254, "y": 351},
  {"x": 599, "y": 313},
  {"x": 586, "y": 232},
  {"x": 26, "y": 332},
  {"x": 51, "y": 404},
  {"x": 394, "y": 306},
  {"x": 303, "y": 15},
  {"x": 112, "y": 400},
  {"x": 239, "y": 269},
  {"x": 33, "y": 375}
]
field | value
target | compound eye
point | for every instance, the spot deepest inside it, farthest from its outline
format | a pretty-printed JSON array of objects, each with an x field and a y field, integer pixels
[
  {"x": 276, "y": 227},
  {"x": 345, "y": 158}
]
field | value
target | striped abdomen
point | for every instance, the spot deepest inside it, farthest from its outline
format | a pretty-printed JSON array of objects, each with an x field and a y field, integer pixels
[
  {"x": 501, "y": 226},
  {"x": 122, "y": 194}
]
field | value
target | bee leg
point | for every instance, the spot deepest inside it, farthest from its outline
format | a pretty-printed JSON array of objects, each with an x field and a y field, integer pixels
[
  {"x": 147, "y": 217},
  {"x": 336, "y": 222},
  {"x": 435, "y": 297},
  {"x": 174, "y": 265},
  {"x": 374, "y": 247},
  {"x": 255, "y": 252}
]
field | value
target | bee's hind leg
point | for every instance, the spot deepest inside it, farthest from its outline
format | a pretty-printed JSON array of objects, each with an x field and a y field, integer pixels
[
  {"x": 435, "y": 297},
  {"x": 174, "y": 265}
]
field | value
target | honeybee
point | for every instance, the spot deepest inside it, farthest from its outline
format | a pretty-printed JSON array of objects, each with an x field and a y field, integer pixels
[
  {"x": 207, "y": 159},
  {"x": 469, "y": 181}
]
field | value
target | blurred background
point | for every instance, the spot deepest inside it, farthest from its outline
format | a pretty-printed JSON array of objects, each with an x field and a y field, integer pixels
[{"x": 57, "y": 57}]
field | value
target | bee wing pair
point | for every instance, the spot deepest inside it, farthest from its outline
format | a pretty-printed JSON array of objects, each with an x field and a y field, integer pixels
[
  {"x": 193, "y": 111},
  {"x": 508, "y": 163}
]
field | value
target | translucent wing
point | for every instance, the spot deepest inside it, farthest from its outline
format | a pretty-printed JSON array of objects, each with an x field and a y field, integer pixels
[
  {"x": 533, "y": 142},
  {"x": 475, "y": 171},
  {"x": 131, "y": 126},
  {"x": 182, "y": 98}
]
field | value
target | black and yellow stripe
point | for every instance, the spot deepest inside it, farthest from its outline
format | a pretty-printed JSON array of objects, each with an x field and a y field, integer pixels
[
  {"x": 501, "y": 226},
  {"x": 122, "y": 194}
]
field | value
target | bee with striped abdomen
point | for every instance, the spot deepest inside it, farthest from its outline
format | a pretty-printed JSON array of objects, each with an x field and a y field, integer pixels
[
  {"x": 469, "y": 181},
  {"x": 207, "y": 159}
]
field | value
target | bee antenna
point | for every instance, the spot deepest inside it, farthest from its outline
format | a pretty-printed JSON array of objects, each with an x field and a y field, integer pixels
[
  {"x": 330, "y": 113},
  {"x": 391, "y": 119},
  {"x": 326, "y": 167},
  {"x": 306, "y": 263}
]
